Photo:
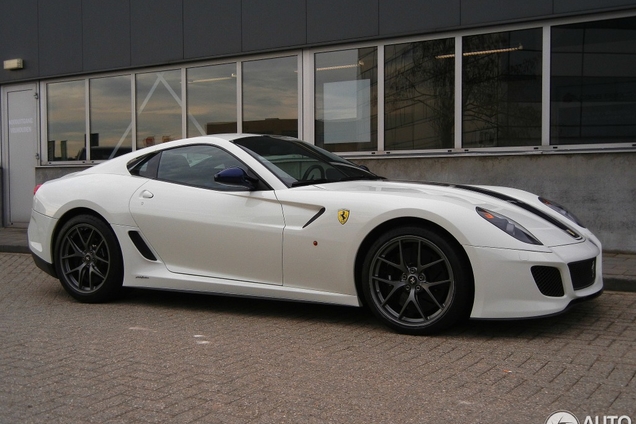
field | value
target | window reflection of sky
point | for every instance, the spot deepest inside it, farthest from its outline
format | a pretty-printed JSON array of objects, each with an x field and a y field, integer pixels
[
  {"x": 111, "y": 119},
  {"x": 158, "y": 107},
  {"x": 211, "y": 99},
  {"x": 66, "y": 124},
  {"x": 270, "y": 89}
]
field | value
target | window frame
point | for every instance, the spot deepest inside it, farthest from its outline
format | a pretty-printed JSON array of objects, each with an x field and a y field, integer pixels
[{"x": 306, "y": 94}]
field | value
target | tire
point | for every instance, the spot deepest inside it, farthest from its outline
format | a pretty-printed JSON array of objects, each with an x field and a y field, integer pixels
[
  {"x": 88, "y": 260},
  {"x": 417, "y": 281}
]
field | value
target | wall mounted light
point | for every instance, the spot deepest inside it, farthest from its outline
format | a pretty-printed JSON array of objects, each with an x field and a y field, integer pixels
[
  {"x": 13, "y": 64},
  {"x": 232, "y": 76},
  {"x": 482, "y": 52},
  {"x": 333, "y": 68}
]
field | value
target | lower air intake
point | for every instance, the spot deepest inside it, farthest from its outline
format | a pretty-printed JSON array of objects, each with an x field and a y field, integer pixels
[
  {"x": 548, "y": 280},
  {"x": 583, "y": 273}
]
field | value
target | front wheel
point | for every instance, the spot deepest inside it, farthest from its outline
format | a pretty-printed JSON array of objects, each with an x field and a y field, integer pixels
[
  {"x": 417, "y": 281},
  {"x": 88, "y": 259}
]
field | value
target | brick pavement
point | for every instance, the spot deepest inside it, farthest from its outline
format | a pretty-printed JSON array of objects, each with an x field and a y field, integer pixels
[{"x": 164, "y": 357}]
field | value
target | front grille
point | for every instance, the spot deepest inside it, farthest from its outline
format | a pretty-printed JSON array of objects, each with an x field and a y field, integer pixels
[
  {"x": 548, "y": 280},
  {"x": 583, "y": 273}
]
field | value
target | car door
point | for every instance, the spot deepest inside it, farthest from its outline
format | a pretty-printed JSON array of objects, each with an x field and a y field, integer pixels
[{"x": 200, "y": 227}]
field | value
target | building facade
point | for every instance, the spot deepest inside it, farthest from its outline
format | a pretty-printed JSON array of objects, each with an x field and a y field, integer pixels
[{"x": 536, "y": 95}]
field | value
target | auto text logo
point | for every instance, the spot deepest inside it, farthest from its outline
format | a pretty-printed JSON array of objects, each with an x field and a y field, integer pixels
[{"x": 566, "y": 417}]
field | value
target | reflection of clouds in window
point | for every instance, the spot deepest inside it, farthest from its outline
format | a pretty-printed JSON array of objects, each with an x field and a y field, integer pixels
[
  {"x": 111, "y": 121},
  {"x": 211, "y": 99},
  {"x": 158, "y": 107},
  {"x": 66, "y": 120},
  {"x": 270, "y": 89}
]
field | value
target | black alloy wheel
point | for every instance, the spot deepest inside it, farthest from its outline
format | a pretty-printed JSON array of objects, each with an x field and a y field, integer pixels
[
  {"x": 88, "y": 259},
  {"x": 417, "y": 281}
]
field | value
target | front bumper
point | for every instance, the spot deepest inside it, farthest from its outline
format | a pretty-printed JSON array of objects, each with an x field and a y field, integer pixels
[{"x": 505, "y": 286}]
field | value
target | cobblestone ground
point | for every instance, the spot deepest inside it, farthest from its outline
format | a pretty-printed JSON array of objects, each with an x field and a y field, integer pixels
[{"x": 164, "y": 357}]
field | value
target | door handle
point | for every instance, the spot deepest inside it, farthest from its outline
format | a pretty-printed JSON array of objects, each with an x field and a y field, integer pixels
[{"x": 147, "y": 195}]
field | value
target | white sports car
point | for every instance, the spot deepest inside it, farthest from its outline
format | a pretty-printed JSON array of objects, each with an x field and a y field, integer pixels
[{"x": 275, "y": 217}]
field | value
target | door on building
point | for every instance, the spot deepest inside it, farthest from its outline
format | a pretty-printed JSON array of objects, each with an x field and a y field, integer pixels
[{"x": 19, "y": 147}]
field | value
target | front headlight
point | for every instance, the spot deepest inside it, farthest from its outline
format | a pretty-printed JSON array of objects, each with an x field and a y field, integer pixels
[
  {"x": 560, "y": 209},
  {"x": 509, "y": 226}
]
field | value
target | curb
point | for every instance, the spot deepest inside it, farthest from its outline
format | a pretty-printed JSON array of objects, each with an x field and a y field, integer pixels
[
  {"x": 623, "y": 284},
  {"x": 14, "y": 249}
]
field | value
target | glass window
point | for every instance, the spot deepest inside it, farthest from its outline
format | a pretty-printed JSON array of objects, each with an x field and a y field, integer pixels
[
  {"x": 212, "y": 100},
  {"x": 270, "y": 96},
  {"x": 111, "y": 117},
  {"x": 158, "y": 107},
  {"x": 196, "y": 166},
  {"x": 298, "y": 163},
  {"x": 593, "y": 82},
  {"x": 419, "y": 95},
  {"x": 145, "y": 166},
  {"x": 501, "y": 90},
  {"x": 346, "y": 100},
  {"x": 66, "y": 120}
]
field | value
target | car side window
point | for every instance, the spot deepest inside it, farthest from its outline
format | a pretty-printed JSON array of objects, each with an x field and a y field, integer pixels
[{"x": 196, "y": 166}]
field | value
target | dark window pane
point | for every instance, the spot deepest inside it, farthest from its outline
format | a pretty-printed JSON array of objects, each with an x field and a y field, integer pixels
[
  {"x": 66, "y": 120},
  {"x": 420, "y": 95},
  {"x": 212, "y": 100},
  {"x": 270, "y": 96},
  {"x": 593, "y": 82},
  {"x": 346, "y": 100},
  {"x": 502, "y": 89}
]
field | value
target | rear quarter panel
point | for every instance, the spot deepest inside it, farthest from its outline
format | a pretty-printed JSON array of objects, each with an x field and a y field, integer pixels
[{"x": 108, "y": 195}]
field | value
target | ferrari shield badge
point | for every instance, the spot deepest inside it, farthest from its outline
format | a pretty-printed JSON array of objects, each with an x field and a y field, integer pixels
[{"x": 343, "y": 216}]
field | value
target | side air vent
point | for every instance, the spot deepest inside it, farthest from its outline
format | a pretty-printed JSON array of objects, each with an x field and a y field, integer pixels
[
  {"x": 583, "y": 273},
  {"x": 315, "y": 217},
  {"x": 548, "y": 280},
  {"x": 141, "y": 245}
]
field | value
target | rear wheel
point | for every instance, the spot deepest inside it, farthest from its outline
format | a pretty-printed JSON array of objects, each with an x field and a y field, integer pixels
[
  {"x": 88, "y": 259},
  {"x": 417, "y": 281}
]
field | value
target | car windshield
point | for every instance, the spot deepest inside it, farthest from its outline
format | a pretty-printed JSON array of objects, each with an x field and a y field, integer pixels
[{"x": 299, "y": 163}]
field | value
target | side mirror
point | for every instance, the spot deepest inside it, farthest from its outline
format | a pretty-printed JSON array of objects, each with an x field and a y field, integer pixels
[{"x": 236, "y": 176}]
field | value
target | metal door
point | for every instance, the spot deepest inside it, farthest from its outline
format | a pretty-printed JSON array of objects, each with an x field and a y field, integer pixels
[{"x": 20, "y": 136}]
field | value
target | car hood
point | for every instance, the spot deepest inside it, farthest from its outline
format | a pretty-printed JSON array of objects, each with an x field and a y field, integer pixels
[{"x": 525, "y": 208}]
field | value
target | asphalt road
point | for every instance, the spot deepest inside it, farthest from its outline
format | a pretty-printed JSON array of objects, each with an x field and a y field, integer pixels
[{"x": 180, "y": 358}]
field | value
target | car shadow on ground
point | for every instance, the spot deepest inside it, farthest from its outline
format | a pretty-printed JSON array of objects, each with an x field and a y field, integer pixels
[
  {"x": 573, "y": 322},
  {"x": 247, "y": 306}
]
